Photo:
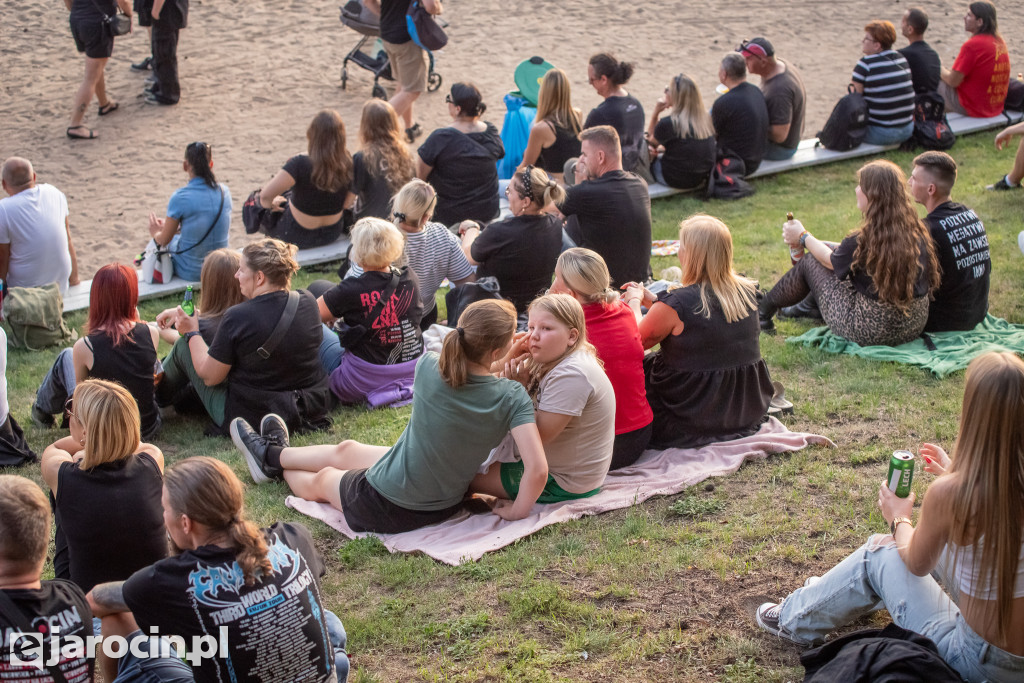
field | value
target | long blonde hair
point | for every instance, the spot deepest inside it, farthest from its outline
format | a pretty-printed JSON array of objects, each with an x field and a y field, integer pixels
[
  {"x": 987, "y": 508},
  {"x": 689, "y": 116},
  {"x": 206, "y": 490},
  {"x": 586, "y": 274},
  {"x": 705, "y": 254},
  {"x": 554, "y": 102},
  {"x": 384, "y": 148},
  {"x": 110, "y": 417},
  {"x": 567, "y": 311}
]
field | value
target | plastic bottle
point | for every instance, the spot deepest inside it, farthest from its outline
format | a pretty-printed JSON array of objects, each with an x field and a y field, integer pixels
[
  {"x": 187, "y": 304},
  {"x": 796, "y": 252}
]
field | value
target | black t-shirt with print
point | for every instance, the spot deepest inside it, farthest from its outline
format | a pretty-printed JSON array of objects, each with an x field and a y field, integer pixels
[
  {"x": 961, "y": 301},
  {"x": 57, "y": 603},
  {"x": 275, "y": 628},
  {"x": 394, "y": 336}
]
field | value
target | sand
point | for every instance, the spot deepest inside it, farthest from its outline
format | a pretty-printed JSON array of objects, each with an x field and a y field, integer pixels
[{"x": 254, "y": 72}]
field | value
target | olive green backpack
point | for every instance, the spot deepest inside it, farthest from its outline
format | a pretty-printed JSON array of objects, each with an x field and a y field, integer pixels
[{"x": 33, "y": 317}]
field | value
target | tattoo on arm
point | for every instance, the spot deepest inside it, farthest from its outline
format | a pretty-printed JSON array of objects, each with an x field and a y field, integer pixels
[{"x": 110, "y": 596}]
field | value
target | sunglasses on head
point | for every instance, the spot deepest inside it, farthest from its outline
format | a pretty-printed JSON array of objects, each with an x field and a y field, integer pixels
[{"x": 752, "y": 48}]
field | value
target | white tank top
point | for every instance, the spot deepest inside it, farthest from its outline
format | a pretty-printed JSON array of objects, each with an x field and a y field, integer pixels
[{"x": 978, "y": 586}]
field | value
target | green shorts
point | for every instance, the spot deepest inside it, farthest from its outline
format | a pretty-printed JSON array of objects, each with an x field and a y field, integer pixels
[{"x": 512, "y": 474}]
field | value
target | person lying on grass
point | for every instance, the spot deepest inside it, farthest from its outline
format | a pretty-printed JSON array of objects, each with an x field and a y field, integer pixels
[
  {"x": 461, "y": 411},
  {"x": 969, "y": 536}
]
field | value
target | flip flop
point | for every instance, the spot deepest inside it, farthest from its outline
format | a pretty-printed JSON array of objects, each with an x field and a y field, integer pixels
[
  {"x": 779, "y": 403},
  {"x": 108, "y": 108},
  {"x": 77, "y": 136}
]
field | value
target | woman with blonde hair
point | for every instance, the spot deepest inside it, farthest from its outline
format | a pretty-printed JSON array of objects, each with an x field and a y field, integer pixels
[
  {"x": 308, "y": 196},
  {"x": 612, "y": 329},
  {"x": 890, "y": 260},
  {"x": 374, "y": 321},
  {"x": 106, "y": 484},
  {"x": 264, "y": 356},
  {"x": 686, "y": 134},
  {"x": 957, "y": 577},
  {"x": 431, "y": 250},
  {"x": 573, "y": 400},
  {"x": 708, "y": 381},
  {"x": 461, "y": 411},
  {"x": 554, "y": 135},
  {"x": 521, "y": 250},
  {"x": 383, "y": 165}
]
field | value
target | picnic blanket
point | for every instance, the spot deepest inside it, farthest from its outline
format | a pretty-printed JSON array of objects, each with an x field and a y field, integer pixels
[
  {"x": 658, "y": 473},
  {"x": 951, "y": 351}
]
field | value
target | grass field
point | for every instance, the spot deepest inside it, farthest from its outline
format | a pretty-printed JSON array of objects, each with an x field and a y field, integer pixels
[{"x": 664, "y": 591}]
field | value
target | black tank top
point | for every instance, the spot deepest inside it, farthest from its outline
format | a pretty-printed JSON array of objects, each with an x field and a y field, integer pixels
[
  {"x": 131, "y": 365},
  {"x": 110, "y": 519},
  {"x": 566, "y": 146}
]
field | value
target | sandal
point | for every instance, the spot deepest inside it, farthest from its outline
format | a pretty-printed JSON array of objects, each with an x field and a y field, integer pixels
[
  {"x": 108, "y": 108},
  {"x": 78, "y": 136},
  {"x": 779, "y": 404}
]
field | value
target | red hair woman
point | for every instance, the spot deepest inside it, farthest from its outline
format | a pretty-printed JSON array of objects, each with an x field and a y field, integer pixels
[{"x": 118, "y": 347}]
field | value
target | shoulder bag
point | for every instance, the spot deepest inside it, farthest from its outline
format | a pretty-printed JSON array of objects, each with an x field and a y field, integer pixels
[
  {"x": 353, "y": 335},
  {"x": 156, "y": 262}
]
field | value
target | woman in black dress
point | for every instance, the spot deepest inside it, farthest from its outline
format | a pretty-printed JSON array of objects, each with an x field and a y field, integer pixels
[{"x": 686, "y": 135}]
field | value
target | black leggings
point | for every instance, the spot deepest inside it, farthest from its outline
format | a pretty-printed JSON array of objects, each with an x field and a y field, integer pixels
[
  {"x": 847, "y": 312},
  {"x": 629, "y": 446}
]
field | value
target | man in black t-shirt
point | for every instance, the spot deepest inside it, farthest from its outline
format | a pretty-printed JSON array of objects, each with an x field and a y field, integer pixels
[
  {"x": 925, "y": 65},
  {"x": 961, "y": 301},
  {"x": 612, "y": 208},
  {"x": 231, "y": 586},
  {"x": 740, "y": 115}
]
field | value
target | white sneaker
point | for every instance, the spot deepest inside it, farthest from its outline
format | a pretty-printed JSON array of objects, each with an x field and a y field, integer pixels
[{"x": 1020, "y": 241}]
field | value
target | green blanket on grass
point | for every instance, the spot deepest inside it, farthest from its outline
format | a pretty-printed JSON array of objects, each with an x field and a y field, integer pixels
[{"x": 953, "y": 350}]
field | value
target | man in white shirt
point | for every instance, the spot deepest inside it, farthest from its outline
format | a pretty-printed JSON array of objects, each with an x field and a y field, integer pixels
[{"x": 35, "y": 236}]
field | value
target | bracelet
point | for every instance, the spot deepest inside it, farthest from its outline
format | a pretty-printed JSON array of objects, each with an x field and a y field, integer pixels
[
  {"x": 896, "y": 521},
  {"x": 189, "y": 335},
  {"x": 803, "y": 238}
]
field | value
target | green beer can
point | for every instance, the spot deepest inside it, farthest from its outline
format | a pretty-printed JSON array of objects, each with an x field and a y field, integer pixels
[{"x": 901, "y": 473}]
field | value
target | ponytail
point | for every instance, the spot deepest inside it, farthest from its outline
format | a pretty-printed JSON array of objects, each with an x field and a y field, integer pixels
[
  {"x": 206, "y": 490},
  {"x": 484, "y": 327},
  {"x": 199, "y": 156}
]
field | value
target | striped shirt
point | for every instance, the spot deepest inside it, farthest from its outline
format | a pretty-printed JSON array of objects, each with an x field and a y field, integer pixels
[
  {"x": 888, "y": 88},
  {"x": 433, "y": 254}
]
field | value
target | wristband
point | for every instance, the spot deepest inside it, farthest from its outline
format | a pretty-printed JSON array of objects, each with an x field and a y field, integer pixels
[
  {"x": 897, "y": 521},
  {"x": 189, "y": 335},
  {"x": 803, "y": 238}
]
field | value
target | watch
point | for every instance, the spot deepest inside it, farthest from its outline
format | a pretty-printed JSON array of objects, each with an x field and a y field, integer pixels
[
  {"x": 896, "y": 521},
  {"x": 189, "y": 335}
]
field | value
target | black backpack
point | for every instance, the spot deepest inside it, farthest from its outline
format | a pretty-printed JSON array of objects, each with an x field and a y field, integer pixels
[
  {"x": 931, "y": 128},
  {"x": 847, "y": 124},
  {"x": 726, "y": 178}
]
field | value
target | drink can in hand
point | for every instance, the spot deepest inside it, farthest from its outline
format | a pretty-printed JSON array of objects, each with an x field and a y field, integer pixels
[{"x": 901, "y": 473}]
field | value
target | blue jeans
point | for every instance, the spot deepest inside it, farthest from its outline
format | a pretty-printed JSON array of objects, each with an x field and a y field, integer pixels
[
  {"x": 58, "y": 385},
  {"x": 882, "y": 135},
  {"x": 778, "y": 152},
  {"x": 153, "y": 668},
  {"x": 874, "y": 577},
  {"x": 331, "y": 350},
  {"x": 339, "y": 639}
]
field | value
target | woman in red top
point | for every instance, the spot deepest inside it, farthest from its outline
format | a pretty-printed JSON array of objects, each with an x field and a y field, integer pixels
[{"x": 612, "y": 329}]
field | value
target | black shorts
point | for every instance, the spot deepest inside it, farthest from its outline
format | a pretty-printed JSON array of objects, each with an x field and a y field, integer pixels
[
  {"x": 365, "y": 509},
  {"x": 91, "y": 37}
]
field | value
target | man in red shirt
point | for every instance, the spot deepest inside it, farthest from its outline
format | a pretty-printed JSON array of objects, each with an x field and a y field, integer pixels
[{"x": 980, "y": 77}]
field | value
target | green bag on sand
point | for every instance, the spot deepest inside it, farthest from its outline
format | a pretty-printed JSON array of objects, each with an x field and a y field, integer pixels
[{"x": 33, "y": 317}]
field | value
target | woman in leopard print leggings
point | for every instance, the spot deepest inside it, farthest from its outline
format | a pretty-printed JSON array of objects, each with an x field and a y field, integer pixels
[{"x": 873, "y": 288}]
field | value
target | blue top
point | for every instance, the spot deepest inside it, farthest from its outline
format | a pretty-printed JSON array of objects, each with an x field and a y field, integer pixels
[{"x": 195, "y": 207}]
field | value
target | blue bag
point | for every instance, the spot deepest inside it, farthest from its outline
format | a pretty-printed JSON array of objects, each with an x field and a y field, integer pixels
[
  {"x": 515, "y": 133},
  {"x": 423, "y": 30}
]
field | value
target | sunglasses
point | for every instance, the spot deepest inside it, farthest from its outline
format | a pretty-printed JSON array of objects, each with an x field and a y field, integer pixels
[
  {"x": 752, "y": 48},
  {"x": 68, "y": 405},
  {"x": 448, "y": 99}
]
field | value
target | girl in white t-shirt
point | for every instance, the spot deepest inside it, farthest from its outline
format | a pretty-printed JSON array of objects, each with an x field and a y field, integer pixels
[{"x": 573, "y": 399}]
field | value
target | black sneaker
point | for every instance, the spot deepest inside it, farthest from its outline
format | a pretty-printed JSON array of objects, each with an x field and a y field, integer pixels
[
  {"x": 808, "y": 308},
  {"x": 273, "y": 429},
  {"x": 254, "y": 448},
  {"x": 145, "y": 65},
  {"x": 1003, "y": 184},
  {"x": 414, "y": 132},
  {"x": 768, "y": 616}
]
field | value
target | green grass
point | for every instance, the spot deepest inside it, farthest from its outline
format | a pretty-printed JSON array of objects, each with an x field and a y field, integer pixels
[{"x": 665, "y": 590}]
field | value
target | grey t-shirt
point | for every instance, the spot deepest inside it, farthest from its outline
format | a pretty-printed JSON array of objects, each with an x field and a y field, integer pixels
[
  {"x": 785, "y": 95},
  {"x": 448, "y": 437}
]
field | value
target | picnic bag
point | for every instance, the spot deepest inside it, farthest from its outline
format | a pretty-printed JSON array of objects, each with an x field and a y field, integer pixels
[
  {"x": 423, "y": 30},
  {"x": 931, "y": 129},
  {"x": 34, "y": 317},
  {"x": 847, "y": 124},
  {"x": 727, "y": 178},
  {"x": 157, "y": 266},
  {"x": 1015, "y": 95}
]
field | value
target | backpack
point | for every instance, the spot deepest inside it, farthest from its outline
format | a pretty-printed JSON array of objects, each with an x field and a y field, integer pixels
[
  {"x": 1015, "y": 96},
  {"x": 726, "y": 179},
  {"x": 34, "y": 317},
  {"x": 847, "y": 124},
  {"x": 931, "y": 128}
]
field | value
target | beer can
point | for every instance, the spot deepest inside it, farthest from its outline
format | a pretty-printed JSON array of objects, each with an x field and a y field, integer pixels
[{"x": 901, "y": 473}]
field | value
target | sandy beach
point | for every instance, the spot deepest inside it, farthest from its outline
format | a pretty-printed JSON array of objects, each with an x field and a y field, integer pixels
[{"x": 253, "y": 73}]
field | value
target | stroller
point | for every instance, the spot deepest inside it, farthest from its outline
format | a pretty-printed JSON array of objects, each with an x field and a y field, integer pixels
[{"x": 367, "y": 24}]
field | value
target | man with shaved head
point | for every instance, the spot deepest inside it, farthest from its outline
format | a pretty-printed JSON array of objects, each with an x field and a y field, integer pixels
[{"x": 35, "y": 235}]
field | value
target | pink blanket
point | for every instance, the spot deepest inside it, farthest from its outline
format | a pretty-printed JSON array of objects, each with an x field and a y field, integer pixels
[{"x": 657, "y": 473}]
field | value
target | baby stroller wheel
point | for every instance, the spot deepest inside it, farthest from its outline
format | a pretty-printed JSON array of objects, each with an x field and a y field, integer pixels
[
  {"x": 379, "y": 92},
  {"x": 433, "y": 81},
  {"x": 344, "y": 77}
]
